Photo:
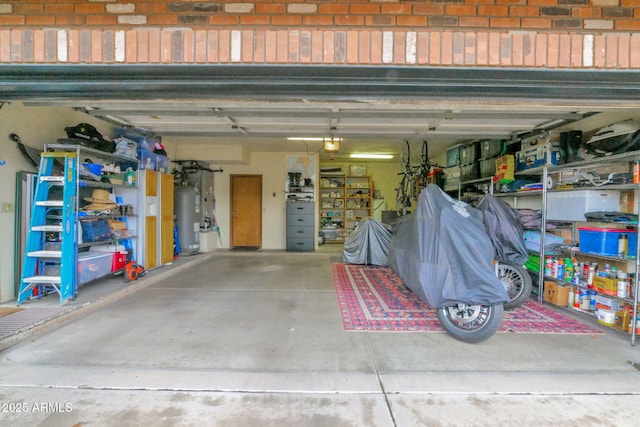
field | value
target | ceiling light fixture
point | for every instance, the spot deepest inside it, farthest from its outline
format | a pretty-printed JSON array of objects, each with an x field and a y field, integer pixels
[
  {"x": 302, "y": 138},
  {"x": 331, "y": 145},
  {"x": 370, "y": 156}
]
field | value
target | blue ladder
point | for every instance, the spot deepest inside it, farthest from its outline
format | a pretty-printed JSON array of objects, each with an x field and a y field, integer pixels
[{"x": 50, "y": 266}]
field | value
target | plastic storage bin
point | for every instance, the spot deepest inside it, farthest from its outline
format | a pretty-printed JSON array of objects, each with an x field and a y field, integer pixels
[
  {"x": 487, "y": 168},
  {"x": 469, "y": 153},
  {"x": 604, "y": 241},
  {"x": 572, "y": 205},
  {"x": 490, "y": 148},
  {"x": 147, "y": 160},
  {"x": 95, "y": 230},
  {"x": 453, "y": 156},
  {"x": 162, "y": 163},
  {"x": 93, "y": 265}
]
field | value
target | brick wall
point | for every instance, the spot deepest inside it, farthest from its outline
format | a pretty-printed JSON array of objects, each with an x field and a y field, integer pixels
[{"x": 514, "y": 33}]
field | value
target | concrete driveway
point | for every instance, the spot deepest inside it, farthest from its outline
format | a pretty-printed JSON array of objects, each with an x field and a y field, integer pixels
[{"x": 256, "y": 339}]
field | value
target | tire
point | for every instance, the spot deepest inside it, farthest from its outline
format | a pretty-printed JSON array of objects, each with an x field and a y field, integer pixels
[
  {"x": 471, "y": 323},
  {"x": 517, "y": 282}
]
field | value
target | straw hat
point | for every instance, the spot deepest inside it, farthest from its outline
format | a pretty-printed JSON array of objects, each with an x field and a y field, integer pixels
[{"x": 100, "y": 201}]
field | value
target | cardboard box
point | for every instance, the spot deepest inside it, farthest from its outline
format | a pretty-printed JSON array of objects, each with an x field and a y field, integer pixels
[
  {"x": 556, "y": 294},
  {"x": 605, "y": 286}
]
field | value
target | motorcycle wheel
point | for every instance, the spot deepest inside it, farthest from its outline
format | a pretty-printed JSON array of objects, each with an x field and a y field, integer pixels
[
  {"x": 471, "y": 323},
  {"x": 517, "y": 282}
]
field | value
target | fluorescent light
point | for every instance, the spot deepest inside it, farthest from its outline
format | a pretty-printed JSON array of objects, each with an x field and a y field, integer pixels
[
  {"x": 370, "y": 156},
  {"x": 300, "y": 138}
]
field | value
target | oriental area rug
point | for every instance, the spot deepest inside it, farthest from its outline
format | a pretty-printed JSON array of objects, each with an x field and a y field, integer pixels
[{"x": 374, "y": 299}]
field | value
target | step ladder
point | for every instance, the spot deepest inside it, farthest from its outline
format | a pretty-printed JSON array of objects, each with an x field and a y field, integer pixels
[{"x": 51, "y": 257}]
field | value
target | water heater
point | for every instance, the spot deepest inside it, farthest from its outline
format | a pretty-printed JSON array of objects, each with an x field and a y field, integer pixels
[{"x": 187, "y": 209}]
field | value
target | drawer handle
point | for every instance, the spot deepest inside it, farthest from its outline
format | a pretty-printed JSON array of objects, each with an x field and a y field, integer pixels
[
  {"x": 300, "y": 220},
  {"x": 300, "y": 232}
]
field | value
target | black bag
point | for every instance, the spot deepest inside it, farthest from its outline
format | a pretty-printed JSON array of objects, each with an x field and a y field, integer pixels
[{"x": 91, "y": 137}]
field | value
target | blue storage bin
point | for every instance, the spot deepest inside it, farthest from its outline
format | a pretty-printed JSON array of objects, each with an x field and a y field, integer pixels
[
  {"x": 95, "y": 230},
  {"x": 144, "y": 141},
  {"x": 162, "y": 163},
  {"x": 604, "y": 241},
  {"x": 147, "y": 160}
]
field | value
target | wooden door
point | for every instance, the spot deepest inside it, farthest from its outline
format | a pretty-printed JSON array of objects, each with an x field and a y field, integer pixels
[
  {"x": 151, "y": 242},
  {"x": 166, "y": 218},
  {"x": 246, "y": 211}
]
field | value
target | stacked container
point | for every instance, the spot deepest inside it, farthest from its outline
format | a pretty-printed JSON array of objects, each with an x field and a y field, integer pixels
[
  {"x": 469, "y": 165},
  {"x": 489, "y": 150}
]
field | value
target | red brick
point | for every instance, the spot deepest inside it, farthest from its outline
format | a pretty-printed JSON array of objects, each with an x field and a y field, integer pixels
[
  {"x": 329, "y": 47},
  {"x": 475, "y": 22},
  {"x": 286, "y": 20},
  {"x": 524, "y": 11},
  {"x": 142, "y": 46},
  {"x": 541, "y": 49},
  {"x": 564, "y": 51},
  {"x": 69, "y": 20},
  {"x": 623, "y": 51},
  {"x": 484, "y": 1},
  {"x": 131, "y": 46},
  {"x": 224, "y": 46},
  {"x": 627, "y": 24},
  {"x": 460, "y": 10},
  {"x": 293, "y": 47},
  {"x": 504, "y": 23},
  {"x": 5, "y": 45},
  {"x": 493, "y": 10},
  {"x": 271, "y": 47},
  {"x": 349, "y": 20},
  {"x": 364, "y": 9},
  {"x": 333, "y": 9},
  {"x": 364, "y": 47},
  {"x": 535, "y": 23},
  {"x": 482, "y": 44},
  {"x": 88, "y": 8},
  {"x": 213, "y": 43},
  {"x": 458, "y": 48},
  {"x": 270, "y": 8},
  {"x": 12, "y": 20},
  {"x": 102, "y": 20},
  {"x": 517, "y": 49},
  {"x": 16, "y": 45},
  {"x": 586, "y": 12},
  {"x": 599, "y": 51},
  {"x": 447, "y": 48},
  {"x": 553, "y": 50},
  {"x": 422, "y": 48},
  {"x": 189, "y": 46},
  {"x": 165, "y": 46},
  {"x": 611, "y": 54},
  {"x": 96, "y": 46},
  {"x": 380, "y": 21},
  {"x": 31, "y": 9},
  {"x": 411, "y": 21},
  {"x": 316, "y": 47},
  {"x": 494, "y": 48},
  {"x": 255, "y": 20},
  {"x": 634, "y": 47},
  {"x": 352, "y": 47},
  {"x": 58, "y": 8},
  {"x": 40, "y": 20},
  {"x": 151, "y": 8},
  {"x": 506, "y": 50},
  {"x": 376, "y": 48},
  {"x": 435, "y": 48},
  {"x": 282, "y": 49},
  {"x": 576, "y": 50},
  {"x": 396, "y": 8},
  {"x": 317, "y": 20},
  {"x": 224, "y": 20},
  {"x": 399, "y": 47},
  {"x": 428, "y": 9},
  {"x": 536, "y": 2},
  {"x": 529, "y": 59},
  {"x": 258, "y": 46},
  {"x": 162, "y": 20},
  {"x": 73, "y": 46},
  {"x": 470, "y": 48},
  {"x": 340, "y": 47},
  {"x": 38, "y": 43},
  {"x": 305, "y": 47}
]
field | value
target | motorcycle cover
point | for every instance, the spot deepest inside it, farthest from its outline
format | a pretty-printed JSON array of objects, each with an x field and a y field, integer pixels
[
  {"x": 443, "y": 254},
  {"x": 368, "y": 244},
  {"x": 504, "y": 229}
]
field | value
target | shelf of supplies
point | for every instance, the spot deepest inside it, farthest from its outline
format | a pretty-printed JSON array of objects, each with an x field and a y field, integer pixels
[
  {"x": 477, "y": 180},
  {"x": 520, "y": 193},
  {"x": 605, "y": 257}
]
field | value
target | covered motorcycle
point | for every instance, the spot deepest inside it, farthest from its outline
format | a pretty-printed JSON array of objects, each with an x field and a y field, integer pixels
[
  {"x": 507, "y": 235},
  {"x": 368, "y": 244},
  {"x": 443, "y": 254}
]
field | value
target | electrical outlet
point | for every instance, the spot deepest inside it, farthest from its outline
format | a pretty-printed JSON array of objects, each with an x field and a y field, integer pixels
[{"x": 6, "y": 207}]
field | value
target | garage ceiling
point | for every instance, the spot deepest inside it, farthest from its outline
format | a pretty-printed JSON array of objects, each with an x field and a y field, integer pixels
[{"x": 372, "y": 108}]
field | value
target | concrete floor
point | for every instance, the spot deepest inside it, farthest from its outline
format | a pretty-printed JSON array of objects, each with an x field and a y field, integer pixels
[{"x": 256, "y": 339}]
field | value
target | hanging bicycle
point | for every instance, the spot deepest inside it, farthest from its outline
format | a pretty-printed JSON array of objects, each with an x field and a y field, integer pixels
[{"x": 403, "y": 191}]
